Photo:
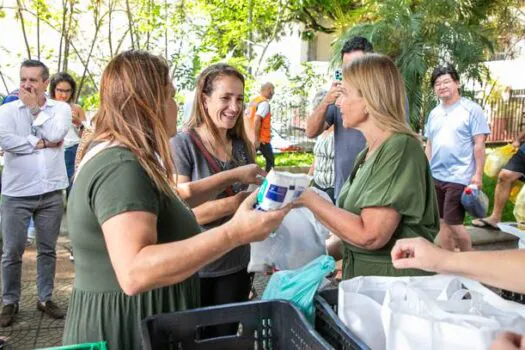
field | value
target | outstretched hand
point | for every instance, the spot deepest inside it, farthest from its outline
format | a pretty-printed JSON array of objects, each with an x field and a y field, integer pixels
[
  {"x": 417, "y": 253},
  {"x": 250, "y": 225},
  {"x": 249, "y": 174}
]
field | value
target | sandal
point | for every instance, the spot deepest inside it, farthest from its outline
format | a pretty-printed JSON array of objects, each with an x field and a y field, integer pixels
[{"x": 482, "y": 223}]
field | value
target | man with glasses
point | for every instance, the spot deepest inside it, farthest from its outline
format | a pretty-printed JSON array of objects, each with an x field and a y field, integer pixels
[
  {"x": 32, "y": 131},
  {"x": 456, "y": 131}
]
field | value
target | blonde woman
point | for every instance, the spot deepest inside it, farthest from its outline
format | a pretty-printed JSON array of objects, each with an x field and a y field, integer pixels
[
  {"x": 138, "y": 246},
  {"x": 389, "y": 194}
]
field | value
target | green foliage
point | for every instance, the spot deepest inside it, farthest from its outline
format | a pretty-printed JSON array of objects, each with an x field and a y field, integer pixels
[
  {"x": 294, "y": 159},
  {"x": 419, "y": 35}
]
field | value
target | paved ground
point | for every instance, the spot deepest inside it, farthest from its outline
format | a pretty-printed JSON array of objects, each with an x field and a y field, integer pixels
[{"x": 33, "y": 330}]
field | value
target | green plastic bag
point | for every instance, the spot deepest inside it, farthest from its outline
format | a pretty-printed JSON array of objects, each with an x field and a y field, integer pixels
[{"x": 299, "y": 286}]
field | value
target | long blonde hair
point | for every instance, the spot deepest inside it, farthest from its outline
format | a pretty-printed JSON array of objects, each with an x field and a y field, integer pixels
[
  {"x": 205, "y": 86},
  {"x": 133, "y": 99},
  {"x": 382, "y": 86}
]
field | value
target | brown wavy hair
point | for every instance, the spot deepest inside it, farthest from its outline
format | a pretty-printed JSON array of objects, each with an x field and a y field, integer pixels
[
  {"x": 134, "y": 91},
  {"x": 205, "y": 86},
  {"x": 382, "y": 86}
]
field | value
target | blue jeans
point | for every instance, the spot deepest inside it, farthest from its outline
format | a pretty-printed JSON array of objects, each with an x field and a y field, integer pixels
[
  {"x": 46, "y": 210},
  {"x": 70, "y": 154}
]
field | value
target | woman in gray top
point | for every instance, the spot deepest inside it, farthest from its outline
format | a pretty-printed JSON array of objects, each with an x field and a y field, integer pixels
[{"x": 215, "y": 141}]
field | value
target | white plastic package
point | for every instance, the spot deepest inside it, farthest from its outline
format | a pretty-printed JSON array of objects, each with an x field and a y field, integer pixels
[
  {"x": 300, "y": 239},
  {"x": 280, "y": 188}
]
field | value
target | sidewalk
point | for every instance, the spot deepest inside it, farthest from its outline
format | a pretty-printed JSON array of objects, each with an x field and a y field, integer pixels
[{"x": 32, "y": 329}]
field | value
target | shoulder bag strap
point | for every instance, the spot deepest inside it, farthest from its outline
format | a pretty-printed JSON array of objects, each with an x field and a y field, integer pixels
[{"x": 212, "y": 163}]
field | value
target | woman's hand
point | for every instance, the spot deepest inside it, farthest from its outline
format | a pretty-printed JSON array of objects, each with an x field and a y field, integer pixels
[
  {"x": 418, "y": 253},
  {"x": 250, "y": 225},
  {"x": 307, "y": 197},
  {"x": 509, "y": 341},
  {"x": 249, "y": 174}
]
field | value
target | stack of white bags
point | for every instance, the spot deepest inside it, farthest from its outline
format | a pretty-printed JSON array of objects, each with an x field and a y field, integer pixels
[{"x": 437, "y": 312}]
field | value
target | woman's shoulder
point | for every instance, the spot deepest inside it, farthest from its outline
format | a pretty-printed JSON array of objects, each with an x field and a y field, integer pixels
[
  {"x": 114, "y": 157},
  {"x": 182, "y": 139},
  {"x": 114, "y": 163},
  {"x": 402, "y": 140}
]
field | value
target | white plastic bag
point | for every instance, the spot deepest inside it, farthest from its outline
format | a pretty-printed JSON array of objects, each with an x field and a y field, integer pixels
[
  {"x": 299, "y": 240},
  {"x": 412, "y": 319},
  {"x": 434, "y": 312}
]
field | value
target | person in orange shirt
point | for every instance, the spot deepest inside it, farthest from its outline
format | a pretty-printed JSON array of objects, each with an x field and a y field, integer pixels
[{"x": 261, "y": 125}]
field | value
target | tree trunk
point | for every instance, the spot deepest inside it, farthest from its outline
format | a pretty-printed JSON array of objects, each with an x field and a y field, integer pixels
[
  {"x": 166, "y": 19},
  {"x": 250, "y": 34},
  {"x": 98, "y": 24},
  {"x": 272, "y": 38},
  {"x": 62, "y": 32},
  {"x": 148, "y": 35},
  {"x": 38, "y": 31},
  {"x": 5, "y": 84},
  {"x": 22, "y": 23},
  {"x": 77, "y": 53},
  {"x": 110, "y": 16},
  {"x": 67, "y": 42},
  {"x": 130, "y": 24}
]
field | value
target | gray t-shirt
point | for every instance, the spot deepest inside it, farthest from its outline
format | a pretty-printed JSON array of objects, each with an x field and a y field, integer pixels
[
  {"x": 347, "y": 142},
  {"x": 190, "y": 162}
]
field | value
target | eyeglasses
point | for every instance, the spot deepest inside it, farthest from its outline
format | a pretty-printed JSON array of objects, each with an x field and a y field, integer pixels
[
  {"x": 64, "y": 91},
  {"x": 443, "y": 82}
]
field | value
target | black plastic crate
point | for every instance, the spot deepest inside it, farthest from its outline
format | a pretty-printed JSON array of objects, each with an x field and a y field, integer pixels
[
  {"x": 328, "y": 324},
  {"x": 513, "y": 296},
  {"x": 264, "y": 325}
]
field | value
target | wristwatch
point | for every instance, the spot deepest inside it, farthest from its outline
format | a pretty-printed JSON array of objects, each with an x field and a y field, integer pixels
[{"x": 35, "y": 110}]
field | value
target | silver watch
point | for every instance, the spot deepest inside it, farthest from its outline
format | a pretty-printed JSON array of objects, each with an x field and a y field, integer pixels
[{"x": 35, "y": 110}]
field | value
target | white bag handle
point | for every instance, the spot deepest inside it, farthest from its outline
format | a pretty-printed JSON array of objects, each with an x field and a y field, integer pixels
[{"x": 401, "y": 293}]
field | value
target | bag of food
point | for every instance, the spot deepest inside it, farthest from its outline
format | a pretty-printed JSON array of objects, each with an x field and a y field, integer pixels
[{"x": 497, "y": 159}]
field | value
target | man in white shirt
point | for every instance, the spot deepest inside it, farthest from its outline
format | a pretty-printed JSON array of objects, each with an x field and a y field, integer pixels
[{"x": 32, "y": 131}]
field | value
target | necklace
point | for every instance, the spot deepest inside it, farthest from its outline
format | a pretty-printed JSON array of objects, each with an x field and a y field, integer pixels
[{"x": 212, "y": 147}]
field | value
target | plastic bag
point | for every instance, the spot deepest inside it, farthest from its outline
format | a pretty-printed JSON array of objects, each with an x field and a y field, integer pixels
[
  {"x": 300, "y": 239},
  {"x": 475, "y": 201},
  {"x": 513, "y": 196},
  {"x": 280, "y": 188},
  {"x": 299, "y": 286},
  {"x": 497, "y": 159},
  {"x": 384, "y": 316},
  {"x": 519, "y": 209}
]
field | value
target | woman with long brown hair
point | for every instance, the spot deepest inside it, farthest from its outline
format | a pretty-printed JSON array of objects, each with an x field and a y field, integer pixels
[
  {"x": 137, "y": 244},
  {"x": 215, "y": 141}
]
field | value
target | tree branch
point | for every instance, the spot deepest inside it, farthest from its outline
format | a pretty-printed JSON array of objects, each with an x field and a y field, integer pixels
[{"x": 18, "y": 2}]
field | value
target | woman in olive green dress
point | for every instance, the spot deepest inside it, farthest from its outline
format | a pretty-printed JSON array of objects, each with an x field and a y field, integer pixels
[
  {"x": 389, "y": 194},
  {"x": 137, "y": 245}
]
